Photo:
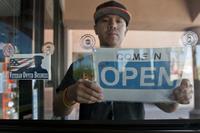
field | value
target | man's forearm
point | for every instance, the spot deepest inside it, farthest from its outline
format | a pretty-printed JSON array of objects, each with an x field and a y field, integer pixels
[
  {"x": 167, "y": 107},
  {"x": 59, "y": 108}
]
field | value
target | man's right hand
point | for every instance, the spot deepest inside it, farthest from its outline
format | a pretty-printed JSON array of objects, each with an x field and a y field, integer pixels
[{"x": 85, "y": 91}]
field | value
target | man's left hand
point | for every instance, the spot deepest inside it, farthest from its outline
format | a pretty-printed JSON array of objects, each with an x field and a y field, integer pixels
[{"x": 183, "y": 93}]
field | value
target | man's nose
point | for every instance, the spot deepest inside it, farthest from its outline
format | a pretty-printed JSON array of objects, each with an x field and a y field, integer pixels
[{"x": 112, "y": 24}]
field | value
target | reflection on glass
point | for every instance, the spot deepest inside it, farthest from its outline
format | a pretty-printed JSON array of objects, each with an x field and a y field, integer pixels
[
  {"x": 120, "y": 73},
  {"x": 15, "y": 38},
  {"x": 145, "y": 75}
]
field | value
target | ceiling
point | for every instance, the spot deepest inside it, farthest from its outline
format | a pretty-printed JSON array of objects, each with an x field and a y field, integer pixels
[{"x": 159, "y": 15}]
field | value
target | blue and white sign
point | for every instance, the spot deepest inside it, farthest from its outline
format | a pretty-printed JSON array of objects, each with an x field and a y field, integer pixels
[{"x": 139, "y": 75}]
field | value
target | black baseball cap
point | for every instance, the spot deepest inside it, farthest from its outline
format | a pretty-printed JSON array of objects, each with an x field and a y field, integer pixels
[{"x": 114, "y": 8}]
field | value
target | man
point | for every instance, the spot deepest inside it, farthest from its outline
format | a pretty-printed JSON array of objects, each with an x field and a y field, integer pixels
[{"x": 111, "y": 22}]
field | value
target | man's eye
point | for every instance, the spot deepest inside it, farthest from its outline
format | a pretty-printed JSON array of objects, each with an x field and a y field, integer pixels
[
  {"x": 119, "y": 21},
  {"x": 105, "y": 20}
]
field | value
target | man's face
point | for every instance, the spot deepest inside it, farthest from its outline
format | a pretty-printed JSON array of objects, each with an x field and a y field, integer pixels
[{"x": 111, "y": 30}]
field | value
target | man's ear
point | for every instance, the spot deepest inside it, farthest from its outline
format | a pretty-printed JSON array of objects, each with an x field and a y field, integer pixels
[{"x": 95, "y": 29}]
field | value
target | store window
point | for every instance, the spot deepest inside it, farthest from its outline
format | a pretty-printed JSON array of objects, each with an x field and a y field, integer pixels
[
  {"x": 160, "y": 47},
  {"x": 26, "y": 40},
  {"x": 29, "y": 25},
  {"x": 146, "y": 30},
  {"x": 16, "y": 38},
  {"x": 135, "y": 39}
]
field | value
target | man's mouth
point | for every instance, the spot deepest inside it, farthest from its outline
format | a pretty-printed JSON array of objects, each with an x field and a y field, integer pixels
[{"x": 112, "y": 34}]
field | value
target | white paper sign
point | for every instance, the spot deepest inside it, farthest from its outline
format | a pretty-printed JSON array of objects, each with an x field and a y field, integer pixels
[{"x": 139, "y": 75}]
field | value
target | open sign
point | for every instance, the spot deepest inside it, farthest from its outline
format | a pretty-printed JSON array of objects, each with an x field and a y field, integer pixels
[
  {"x": 139, "y": 75},
  {"x": 135, "y": 75}
]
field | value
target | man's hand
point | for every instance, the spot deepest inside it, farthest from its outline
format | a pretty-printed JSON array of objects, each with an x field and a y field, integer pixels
[
  {"x": 183, "y": 93},
  {"x": 85, "y": 91}
]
